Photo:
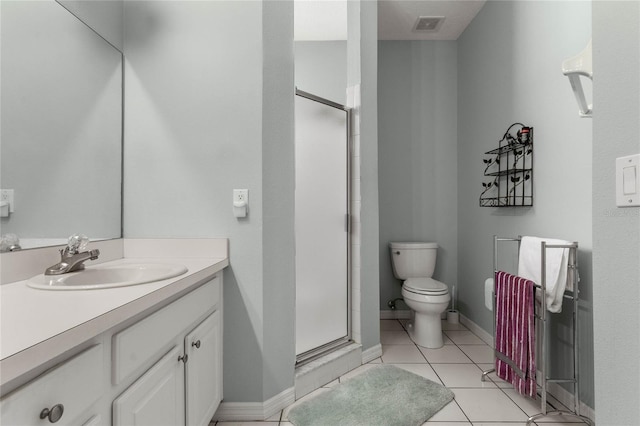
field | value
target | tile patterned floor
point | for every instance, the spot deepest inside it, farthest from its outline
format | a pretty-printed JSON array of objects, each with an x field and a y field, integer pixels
[{"x": 458, "y": 365}]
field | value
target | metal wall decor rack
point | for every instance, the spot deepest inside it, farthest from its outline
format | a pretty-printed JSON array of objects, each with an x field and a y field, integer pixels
[
  {"x": 511, "y": 168},
  {"x": 541, "y": 317}
]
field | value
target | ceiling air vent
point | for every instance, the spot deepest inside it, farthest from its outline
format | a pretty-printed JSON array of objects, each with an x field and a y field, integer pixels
[{"x": 428, "y": 23}]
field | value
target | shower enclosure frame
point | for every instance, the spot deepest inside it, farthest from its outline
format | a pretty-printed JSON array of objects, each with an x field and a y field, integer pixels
[{"x": 324, "y": 349}]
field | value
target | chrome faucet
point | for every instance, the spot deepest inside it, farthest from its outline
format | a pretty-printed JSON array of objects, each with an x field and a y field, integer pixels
[{"x": 73, "y": 257}]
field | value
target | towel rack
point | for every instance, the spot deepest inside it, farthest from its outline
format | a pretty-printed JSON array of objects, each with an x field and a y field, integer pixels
[{"x": 542, "y": 316}]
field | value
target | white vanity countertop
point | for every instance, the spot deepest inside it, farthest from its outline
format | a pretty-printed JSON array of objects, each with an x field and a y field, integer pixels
[{"x": 38, "y": 325}]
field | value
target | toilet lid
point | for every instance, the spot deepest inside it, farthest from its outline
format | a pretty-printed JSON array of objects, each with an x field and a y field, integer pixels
[
  {"x": 426, "y": 286},
  {"x": 412, "y": 245}
]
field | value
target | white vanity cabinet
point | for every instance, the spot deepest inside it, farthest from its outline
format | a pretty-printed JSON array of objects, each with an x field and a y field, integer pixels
[
  {"x": 161, "y": 368},
  {"x": 65, "y": 395},
  {"x": 183, "y": 344}
]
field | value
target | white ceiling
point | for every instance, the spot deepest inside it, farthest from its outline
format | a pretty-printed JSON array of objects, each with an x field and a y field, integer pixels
[
  {"x": 327, "y": 19},
  {"x": 396, "y": 18}
]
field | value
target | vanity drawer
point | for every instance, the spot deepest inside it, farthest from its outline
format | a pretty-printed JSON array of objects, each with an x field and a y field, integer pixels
[
  {"x": 146, "y": 341},
  {"x": 75, "y": 384}
]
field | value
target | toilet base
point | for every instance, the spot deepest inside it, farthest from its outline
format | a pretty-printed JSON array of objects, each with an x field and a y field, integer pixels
[{"x": 426, "y": 330}]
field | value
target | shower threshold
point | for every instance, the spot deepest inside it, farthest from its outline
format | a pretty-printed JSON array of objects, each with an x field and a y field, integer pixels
[{"x": 327, "y": 367}]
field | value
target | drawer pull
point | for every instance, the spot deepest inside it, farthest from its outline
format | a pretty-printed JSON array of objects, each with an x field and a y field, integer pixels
[
  {"x": 54, "y": 414},
  {"x": 196, "y": 344},
  {"x": 184, "y": 358}
]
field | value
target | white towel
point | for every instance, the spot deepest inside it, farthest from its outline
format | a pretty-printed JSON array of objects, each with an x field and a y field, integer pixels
[
  {"x": 529, "y": 267},
  {"x": 488, "y": 293}
]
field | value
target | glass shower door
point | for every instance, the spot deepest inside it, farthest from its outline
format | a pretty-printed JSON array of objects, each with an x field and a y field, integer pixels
[{"x": 321, "y": 225}]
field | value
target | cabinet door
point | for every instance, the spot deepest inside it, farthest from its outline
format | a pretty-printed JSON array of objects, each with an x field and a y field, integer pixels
[
  {"x": 204, "y": 371},
  {"x": 156, "y": 398}
]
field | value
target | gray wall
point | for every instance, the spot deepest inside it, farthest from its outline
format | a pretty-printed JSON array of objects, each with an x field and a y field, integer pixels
[
  {"x": 321, "y": 68},
  {"x": 362, "y": 68},
  {"x": 509, "y": 70},
  {"x": 417, "y": 146},
  {"x": 616, "y": 231},
  {"x": 61, "y": 124},
  {"x": 209, "y": 104},
  {"x": 106, "y": 17},
  {"x": 278, "y": 178}
]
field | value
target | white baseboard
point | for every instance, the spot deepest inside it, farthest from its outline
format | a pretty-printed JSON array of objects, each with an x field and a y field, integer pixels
[
  {"x": 279, "y": 402},
  {"x": 248, "y": 411},
  {"x": 477, "y": 330},
  {"x": 395, "y": 314},
  {"x": 371, "y": 353},
  {"x": 566, "y": 398}
]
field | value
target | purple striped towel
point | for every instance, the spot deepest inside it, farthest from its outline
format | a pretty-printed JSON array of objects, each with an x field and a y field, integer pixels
[{"x": 515, "y": 333}]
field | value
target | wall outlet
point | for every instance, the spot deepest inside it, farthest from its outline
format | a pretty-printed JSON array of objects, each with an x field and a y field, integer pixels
[
  {"x": 6, "y": 195},
  {"x": 241, "y": 196},
  {"x": 240, "y": 202}
]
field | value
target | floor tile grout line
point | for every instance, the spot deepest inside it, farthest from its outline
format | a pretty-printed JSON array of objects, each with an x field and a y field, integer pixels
[
  {"x": 476, "y": 365},
  {"x": 511, "y": 399},
  {"x": 440, "y": 378},
  {"x": 281, "y": 421},
  {"x": 495, "y": 384}
]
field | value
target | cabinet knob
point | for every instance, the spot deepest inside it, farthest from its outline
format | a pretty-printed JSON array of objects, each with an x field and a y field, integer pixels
[
  {"x": 196, "y": 344},
  {"x": 54, "y": 414},
  {"x": 184, "y": 358}
]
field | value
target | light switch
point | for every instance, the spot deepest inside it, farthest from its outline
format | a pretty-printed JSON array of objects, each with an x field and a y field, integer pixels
[{"x": 628, "y": 181}]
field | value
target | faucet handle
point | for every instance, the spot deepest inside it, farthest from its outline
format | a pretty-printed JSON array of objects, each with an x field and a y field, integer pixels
[
  {"x": 77, "y": 243},
  {"x": 9, "y": 242}
]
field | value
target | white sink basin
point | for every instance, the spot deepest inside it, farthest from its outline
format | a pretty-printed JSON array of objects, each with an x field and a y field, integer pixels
[{"x": 108, "y": 276}]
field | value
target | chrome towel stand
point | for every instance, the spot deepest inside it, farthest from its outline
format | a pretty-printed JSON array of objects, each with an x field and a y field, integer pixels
[{"x": 542, "y": 316}]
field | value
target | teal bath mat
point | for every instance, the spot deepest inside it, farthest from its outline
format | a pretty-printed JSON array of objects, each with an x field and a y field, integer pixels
[{"x": 382, "y": 396}]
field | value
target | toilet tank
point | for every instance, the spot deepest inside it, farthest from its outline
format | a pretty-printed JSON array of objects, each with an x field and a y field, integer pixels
[{"x": 413, "y": 260}]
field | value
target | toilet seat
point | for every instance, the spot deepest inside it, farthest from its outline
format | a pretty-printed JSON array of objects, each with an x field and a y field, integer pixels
[{"x": 425, "y": 286}]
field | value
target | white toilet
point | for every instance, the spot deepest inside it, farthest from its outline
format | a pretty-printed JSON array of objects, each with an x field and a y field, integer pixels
[{"x": 414, "y": 263}]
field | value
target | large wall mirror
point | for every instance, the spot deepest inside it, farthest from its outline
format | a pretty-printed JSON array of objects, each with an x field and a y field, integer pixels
[{"x": 61, "y": 125}]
